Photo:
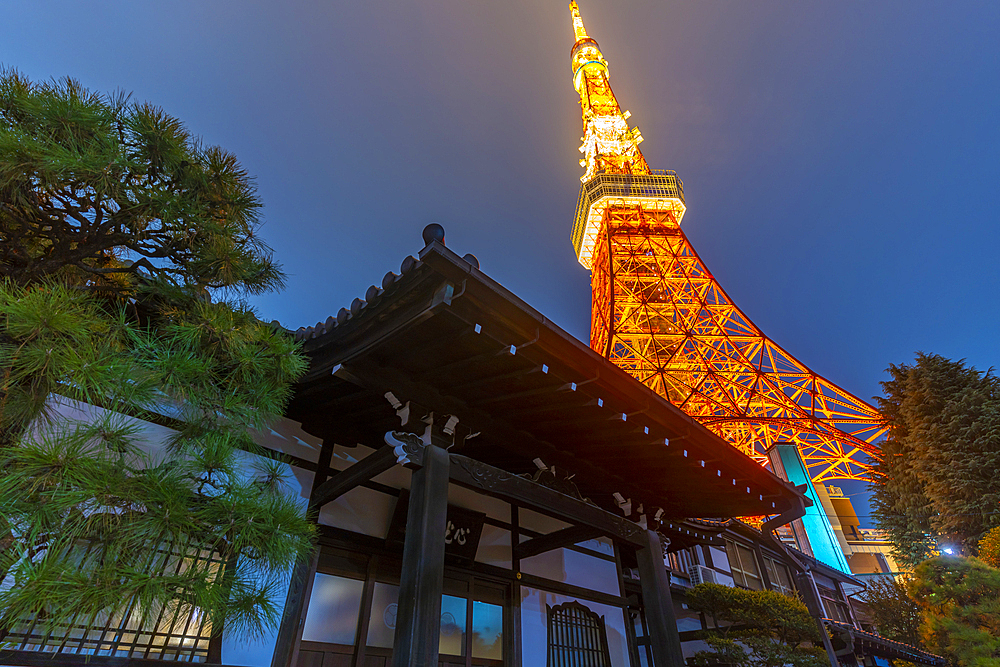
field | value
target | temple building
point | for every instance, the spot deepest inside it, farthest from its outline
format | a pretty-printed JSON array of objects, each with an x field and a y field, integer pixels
[
  {"x": 490, "y": 491},
  {"x": 540, "y": 488}
]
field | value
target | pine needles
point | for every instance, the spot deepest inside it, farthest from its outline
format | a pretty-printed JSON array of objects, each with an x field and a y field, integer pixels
[{"x": 131, "y": 488}]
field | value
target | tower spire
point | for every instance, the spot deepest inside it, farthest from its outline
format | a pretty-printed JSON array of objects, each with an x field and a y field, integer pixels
[
  {"x": 609, "y": 145},
  {"x": 578, "y": 28}
]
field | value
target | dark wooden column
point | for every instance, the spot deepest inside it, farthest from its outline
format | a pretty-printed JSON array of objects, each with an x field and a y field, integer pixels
[
  {"x": 418, "y": 618},
  {"x": 660, "y": 619},
  {"x": 286, "y": 645}
]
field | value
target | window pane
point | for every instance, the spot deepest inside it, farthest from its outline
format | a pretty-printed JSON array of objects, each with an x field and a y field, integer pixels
[
  {"x": 771, "y": 572},
  {"x": 747, "y": 560},
  {"x": 734, "y": 564},
  {"x": 487, "y": 631},
  {"x": 784, "y": 578},
  {"x": 333, "y": 610},
  {"x": 751, "y": 573},
  {"x": 640, "y": 632},
  {"x": 452, "y": 639},
  {"x": 382, "y": 624}
]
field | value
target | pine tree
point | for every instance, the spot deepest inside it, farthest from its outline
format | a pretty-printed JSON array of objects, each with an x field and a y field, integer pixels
[
  {"x": 120, "y": 238},
  {"x": 103, "y": 189},
  {"x": 755, "y": 628},
  {"x": 960, "y": 602},
  {"x": 935, "y": 479}
]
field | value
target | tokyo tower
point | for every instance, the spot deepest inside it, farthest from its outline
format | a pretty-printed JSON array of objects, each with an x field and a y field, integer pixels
[{"x": 659, "y": 313}]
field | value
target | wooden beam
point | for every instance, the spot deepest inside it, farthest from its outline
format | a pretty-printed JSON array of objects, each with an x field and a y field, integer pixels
[
  {"x": 513, "y": 395},
  {"x": 513, "y": 488},
  {"x": 490, "y": 351},
  {"x": 374, "y": 464},
  {"x": 499, "y": 377},
  {"x": 499, "y": 483},
  {"x": 560, "y": 538}
]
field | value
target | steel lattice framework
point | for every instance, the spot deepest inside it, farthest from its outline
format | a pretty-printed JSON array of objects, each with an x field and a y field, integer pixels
[{"x": 659, "y": 314}]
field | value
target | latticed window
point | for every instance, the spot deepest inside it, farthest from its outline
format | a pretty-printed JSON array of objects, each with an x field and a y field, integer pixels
[
  {"x": 743, "y": 565},
  {"x": 175, "y": 632},
  {"x": 835, "y": 607},
  {"x": 781, "y": 580},
  {"x": 577, "y": 636}
]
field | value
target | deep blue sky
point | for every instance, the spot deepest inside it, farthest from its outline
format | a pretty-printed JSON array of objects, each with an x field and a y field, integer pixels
[{"x": 840, "y": 159}]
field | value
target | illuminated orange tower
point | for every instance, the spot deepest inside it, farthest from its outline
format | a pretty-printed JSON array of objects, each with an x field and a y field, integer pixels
[{"x": 659, "y": 314}]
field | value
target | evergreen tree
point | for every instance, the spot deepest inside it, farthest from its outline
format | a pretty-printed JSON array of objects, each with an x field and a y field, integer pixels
[
  {"x": 117, "y": 229},
  {"x": 105, "y": 189},
  {"x": 935, "y": 479},
  {"x": 893, "y": 611},
  {"x": 755, "y": 628},
  {"x": 989, "y": 547},
  {"x": 960, "y": 602}
]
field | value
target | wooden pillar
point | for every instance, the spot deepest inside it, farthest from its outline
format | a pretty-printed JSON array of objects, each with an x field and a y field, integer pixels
[
  {"x": 286, "y": 645},
  {"x": 418, "y": 618},
  {"x": 660, "y": 619}
]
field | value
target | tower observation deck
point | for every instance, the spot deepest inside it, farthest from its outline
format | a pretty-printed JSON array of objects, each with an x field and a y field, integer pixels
[{"x": 659, "y": 313}]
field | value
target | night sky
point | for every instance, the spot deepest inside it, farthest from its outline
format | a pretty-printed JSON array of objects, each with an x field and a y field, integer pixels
[{"x": 839, "y": 159}]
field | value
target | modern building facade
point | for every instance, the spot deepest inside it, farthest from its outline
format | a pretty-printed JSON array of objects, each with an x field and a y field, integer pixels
[{"x": 868, "y": 550}]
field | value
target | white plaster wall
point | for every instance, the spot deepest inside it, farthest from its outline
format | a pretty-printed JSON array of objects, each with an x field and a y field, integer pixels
[
  {"x": 151, "y": 439},
  {"x": 539, "y": 522},
  {"x": 575, "y": 568},
  {"x": 494, "y": 547},
  {"x": 360, "y": 510},
  {"x": 287, "y": 436},
  {"x": 601, "y": 545},
  {"x": 344, "y": 457},
  {"x": 398, "y": 477},
  {"x": 469, "y": 499}
]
